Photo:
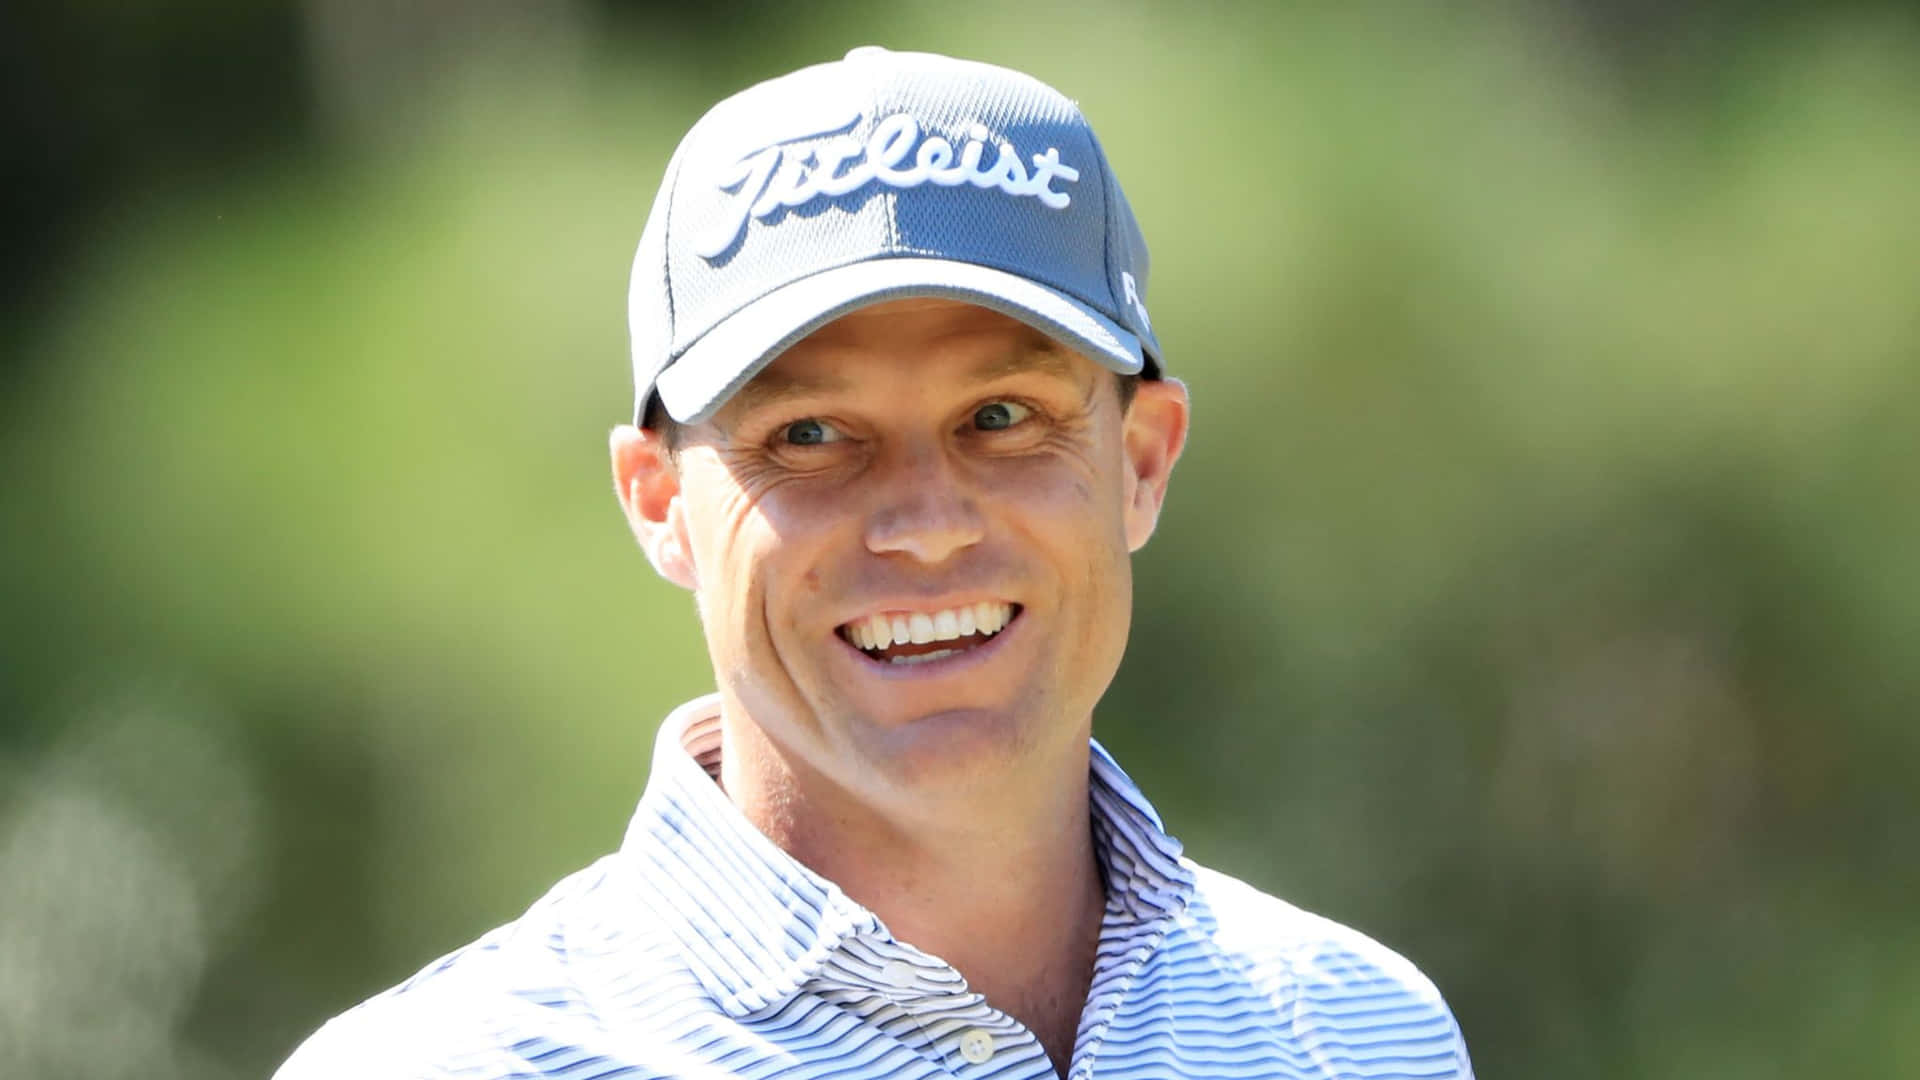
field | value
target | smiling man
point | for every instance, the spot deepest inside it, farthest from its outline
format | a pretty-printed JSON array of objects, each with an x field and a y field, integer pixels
[{"x": 900, "y": 426}]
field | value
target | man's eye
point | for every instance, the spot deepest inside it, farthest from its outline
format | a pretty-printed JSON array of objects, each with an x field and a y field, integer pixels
[
  {"x": 810, "y": 432},
  {"x": 999, "y": 415}
]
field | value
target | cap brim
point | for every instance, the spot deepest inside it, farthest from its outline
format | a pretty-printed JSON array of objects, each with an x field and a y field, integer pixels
[{"x": 701, "y": 380}]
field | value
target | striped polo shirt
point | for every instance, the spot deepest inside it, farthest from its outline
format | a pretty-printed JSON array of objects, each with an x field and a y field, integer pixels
[{"x": 700, "y": 949}]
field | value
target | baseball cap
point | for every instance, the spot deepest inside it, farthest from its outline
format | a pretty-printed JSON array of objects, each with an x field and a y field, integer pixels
[{"x": 881, "y": 176}]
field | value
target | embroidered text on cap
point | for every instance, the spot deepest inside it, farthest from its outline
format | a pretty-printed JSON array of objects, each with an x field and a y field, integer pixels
[{"x": 770, "y": 178}]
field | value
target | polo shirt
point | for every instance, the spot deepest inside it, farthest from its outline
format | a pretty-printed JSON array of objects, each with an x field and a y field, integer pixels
[{"x": 700, "y": 949}]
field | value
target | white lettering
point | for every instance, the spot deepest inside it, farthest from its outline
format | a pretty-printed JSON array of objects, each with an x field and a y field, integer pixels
[
  {"x": 934, "y": 157},
  {"x": 791, "y": 186},
  {"x": 751, "y": 178},
  {"x": 833, "y": 155},
  {"x": 772, "y": 178},
  {"x": 970, "y": 154},
  {"x": 1132, "y": 289},
  {"x": 1006, "y": 172},
  {"x": 891, "y": 143},
  {"x": 1045, "y": 167}
]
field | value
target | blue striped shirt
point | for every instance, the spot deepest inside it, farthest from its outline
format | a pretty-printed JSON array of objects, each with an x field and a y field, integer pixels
[{"x": 700, "y": 949}]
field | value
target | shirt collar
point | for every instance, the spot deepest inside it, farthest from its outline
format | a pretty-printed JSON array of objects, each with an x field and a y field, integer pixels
[{"x": 754, "y": 924}]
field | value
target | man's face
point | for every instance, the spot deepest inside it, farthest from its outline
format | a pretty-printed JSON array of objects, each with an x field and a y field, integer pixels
[{"x": 926, "y": 470}]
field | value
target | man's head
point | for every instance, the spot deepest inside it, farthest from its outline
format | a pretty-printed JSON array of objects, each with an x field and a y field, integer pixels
[{"x": 900, "y": 444}]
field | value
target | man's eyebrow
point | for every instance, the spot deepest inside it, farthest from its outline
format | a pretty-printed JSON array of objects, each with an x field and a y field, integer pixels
[
  {"x": 771, "y": 386},
  {"x": 1041, "y": 355}
]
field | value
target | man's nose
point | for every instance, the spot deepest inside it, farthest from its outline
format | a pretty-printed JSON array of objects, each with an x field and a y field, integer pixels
[{"x": 926, "y": 510}]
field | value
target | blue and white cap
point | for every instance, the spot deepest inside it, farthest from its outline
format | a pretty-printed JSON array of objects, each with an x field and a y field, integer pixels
[{"x": 881, "y": 176}]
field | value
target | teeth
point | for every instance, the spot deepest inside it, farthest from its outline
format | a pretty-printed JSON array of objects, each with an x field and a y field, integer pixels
[
  {"x": 923, "y": 657},
  {"x": 989, "y": 617},
  {"x": 986, "y": 619}
]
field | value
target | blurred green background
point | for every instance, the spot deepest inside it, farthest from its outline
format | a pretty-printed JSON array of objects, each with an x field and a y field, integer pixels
[{"x": 1539, "y": 593}]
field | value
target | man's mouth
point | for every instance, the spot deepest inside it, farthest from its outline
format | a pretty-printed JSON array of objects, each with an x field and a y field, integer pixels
[{"x": 919, "y": 637}]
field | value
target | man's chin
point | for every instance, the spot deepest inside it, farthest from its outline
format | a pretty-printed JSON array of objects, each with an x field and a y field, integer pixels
[{"x": 945, "y": 746}]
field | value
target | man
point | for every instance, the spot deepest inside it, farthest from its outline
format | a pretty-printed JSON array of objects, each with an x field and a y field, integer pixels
[{"x": 901, "y": 425}]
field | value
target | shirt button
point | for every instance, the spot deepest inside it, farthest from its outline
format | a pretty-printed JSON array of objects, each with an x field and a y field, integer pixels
[
  {"x": 897, "y": 974},
  {"x": 977, "y": 1046}
]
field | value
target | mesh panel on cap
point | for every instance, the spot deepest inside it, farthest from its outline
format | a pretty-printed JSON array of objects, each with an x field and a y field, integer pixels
[
  {"x": 791, "y": 243},
  {"x": 1061, "y": 247}
]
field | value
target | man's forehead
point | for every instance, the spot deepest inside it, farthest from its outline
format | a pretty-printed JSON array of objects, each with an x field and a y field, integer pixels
[{"x": 972, "y": 343}]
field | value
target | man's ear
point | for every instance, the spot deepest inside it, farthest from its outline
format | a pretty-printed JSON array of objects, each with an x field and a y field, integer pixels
[
  {"x": 1154, "y": 432},
  {"x": 647, "y": 483}
]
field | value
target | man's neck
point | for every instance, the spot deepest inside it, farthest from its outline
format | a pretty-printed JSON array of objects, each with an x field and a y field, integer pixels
[{"x": 1009, "y": 892}]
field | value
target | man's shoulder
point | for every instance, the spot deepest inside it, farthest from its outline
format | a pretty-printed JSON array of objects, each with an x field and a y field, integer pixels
[
  {"x": 1338, "y": 989},
  {"x": 482, "y": 1009},
  {"x": 389, "y": 1037},
  {"x": 1260, "y": 929}
]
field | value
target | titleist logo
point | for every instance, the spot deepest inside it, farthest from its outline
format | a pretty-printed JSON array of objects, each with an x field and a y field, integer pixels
[{"x": 772, "y": 178}]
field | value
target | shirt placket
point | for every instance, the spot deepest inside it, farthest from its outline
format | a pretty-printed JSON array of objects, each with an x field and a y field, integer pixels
[
  {"x": 957, "y": 1030},
  {"x": 1115, "y": 971}
]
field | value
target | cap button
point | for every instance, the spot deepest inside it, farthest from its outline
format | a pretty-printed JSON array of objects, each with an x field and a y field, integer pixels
[{"x": 868, "y": 52}]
